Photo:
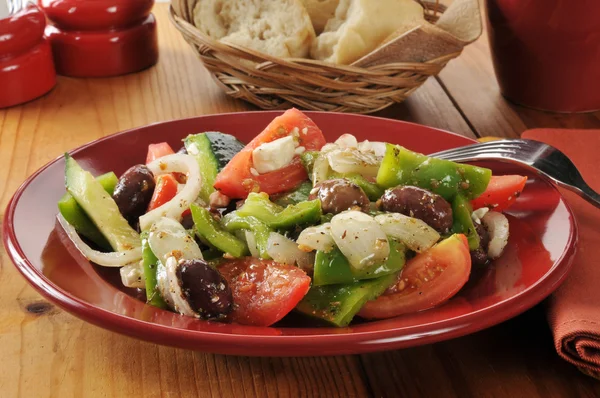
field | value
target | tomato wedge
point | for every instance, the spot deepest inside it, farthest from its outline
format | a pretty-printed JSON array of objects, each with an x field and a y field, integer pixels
[
  {"x": 263, "y": 291},
  {"x": 427, "y": 280},
  {"x": 236, "y": 179},
  {"x": 501, "y": 192},
  {"x": 159, "y": 150},
  {"x": 165, "y": 190}
]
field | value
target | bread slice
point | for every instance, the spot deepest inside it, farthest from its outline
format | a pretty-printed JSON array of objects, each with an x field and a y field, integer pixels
[
  {"x": 359, "y": 26},
  {"x": 279, "y": 28},
  {"x": 320, "y": 11}
]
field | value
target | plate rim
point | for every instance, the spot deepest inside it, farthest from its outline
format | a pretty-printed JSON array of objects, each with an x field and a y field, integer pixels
[{"x": 356, "y": 341}]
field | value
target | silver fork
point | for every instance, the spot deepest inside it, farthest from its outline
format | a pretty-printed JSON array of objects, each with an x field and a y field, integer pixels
[
  {"x": 9, "y": 7},
  {"x": 540, "y": 157}
]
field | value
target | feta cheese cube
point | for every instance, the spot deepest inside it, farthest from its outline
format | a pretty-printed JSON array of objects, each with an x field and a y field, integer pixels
[{"x": 274, "y": 155}]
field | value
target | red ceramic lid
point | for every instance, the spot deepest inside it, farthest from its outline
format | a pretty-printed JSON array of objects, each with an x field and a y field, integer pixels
[
  {"x": 96, "y": 14},
  {"x": 99, "y": 38},
  {"x": 537, "y": 258},
  {"x": 26, "y": 68},
  {"x": 21, "y": 31}
]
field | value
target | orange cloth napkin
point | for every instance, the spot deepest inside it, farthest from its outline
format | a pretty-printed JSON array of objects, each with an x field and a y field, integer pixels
[{"x": 574, "y": 309}]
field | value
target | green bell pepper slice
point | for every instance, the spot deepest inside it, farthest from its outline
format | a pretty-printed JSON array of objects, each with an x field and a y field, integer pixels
[
  {"x": 463, "y": 223},
  {"x": 448, "y": 179},
  {"x": 325, "y": 218},
  {"x": 150, "y": 262},
  {"x": 296, "y": 196},
  {"x": 234, "y": 222},
  {"x": 333, "y": 267},
  {"x": 211, "y": 255},
  {"x": 76, "y": 216},
  {"x": 337, "y": 304},
  {"x": 258, "y": 205},
  {"x": 207, "y": 227},
  {"x": 308, "y": 160}
]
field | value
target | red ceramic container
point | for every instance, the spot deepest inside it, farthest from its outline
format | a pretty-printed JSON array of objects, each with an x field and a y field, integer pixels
[
  {"x": 537, "y": 258},
  {"x": 26, "y": 68},
  {"x": 99, "y": 38},
  {"x": 547, "y": 52}
]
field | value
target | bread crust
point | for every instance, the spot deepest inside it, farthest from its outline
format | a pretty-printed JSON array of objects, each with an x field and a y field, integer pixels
[
  {"x": 360, "y": 26},
  {"x": 320, "y": 11}
]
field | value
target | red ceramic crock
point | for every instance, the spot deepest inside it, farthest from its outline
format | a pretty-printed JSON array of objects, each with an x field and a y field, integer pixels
[
  {"x": 99, "y": 38},
  {"x": 26, "y": 68},
  {"x": 547, "y": 52}
]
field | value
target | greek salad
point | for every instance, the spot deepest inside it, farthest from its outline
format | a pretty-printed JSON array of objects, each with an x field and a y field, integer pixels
[{"x": 229, "y": 232}]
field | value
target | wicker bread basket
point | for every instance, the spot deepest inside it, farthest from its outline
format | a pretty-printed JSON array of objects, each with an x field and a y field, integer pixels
[{"x": 385, "y": 76}]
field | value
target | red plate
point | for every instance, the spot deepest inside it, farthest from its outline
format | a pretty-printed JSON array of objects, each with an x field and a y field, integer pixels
[{"x": 537, "y": 259}]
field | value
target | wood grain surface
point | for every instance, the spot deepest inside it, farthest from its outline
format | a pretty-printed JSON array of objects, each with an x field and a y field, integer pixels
[{"x": 45, "y": 352}]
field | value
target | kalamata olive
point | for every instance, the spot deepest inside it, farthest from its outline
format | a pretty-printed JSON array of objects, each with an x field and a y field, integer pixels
[
  {"x": 134, "y": 192},
  {"x": 479, "y": 256},
  {"x": 187, "y": 221},
  {"x": 182, "y": 151},
  {"x": 339, "y": 195},
  {"x": 484, "y": 236},
  {"x": 418, "y": 203},
  {"x": 215, "y": 213},
  {"x": 205, "y": 290}
]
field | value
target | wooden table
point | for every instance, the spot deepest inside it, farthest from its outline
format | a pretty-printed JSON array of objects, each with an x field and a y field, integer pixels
[{"x": 47, "y": 352}]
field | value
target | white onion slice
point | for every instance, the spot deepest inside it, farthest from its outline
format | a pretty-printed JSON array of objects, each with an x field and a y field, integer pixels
[
  {"x": 162, "y": 283},
  {"x": 320, "y": 171},
  {"x": 180, "y": 304},
  {"x": 167, "y": 238},
  {"x": 330, "y": 146},
  {"x": 353, "y": 161},
  {"x": 478, "y": 214},
  {"x": 497, "y": 226},
  {"x": 171, "y": 244},
  {"x": 377, "y": 148},
  {"x": 112, "y": 259},
  {"x": 176, "y": 163},
  {"x": 360, "y": 238},
  {"x": 132, "y": 275},
  {"x": 285, "y": 251},
  {"x": 251, "y": 242},
  {"x": 346, "y": 141},
  {"x": 414, "y": 233},
  {"x": 316, "y": 238}
]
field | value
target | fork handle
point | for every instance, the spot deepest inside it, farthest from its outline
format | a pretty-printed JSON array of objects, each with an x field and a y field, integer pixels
[{"x": 587, "y": 193}]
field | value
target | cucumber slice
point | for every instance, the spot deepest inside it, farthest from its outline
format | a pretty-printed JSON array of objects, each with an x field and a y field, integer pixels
[
  {"x": 75, "y": 215},
  {"x": 212, "y": 150},
  {"x": 99, "y": 207}
]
